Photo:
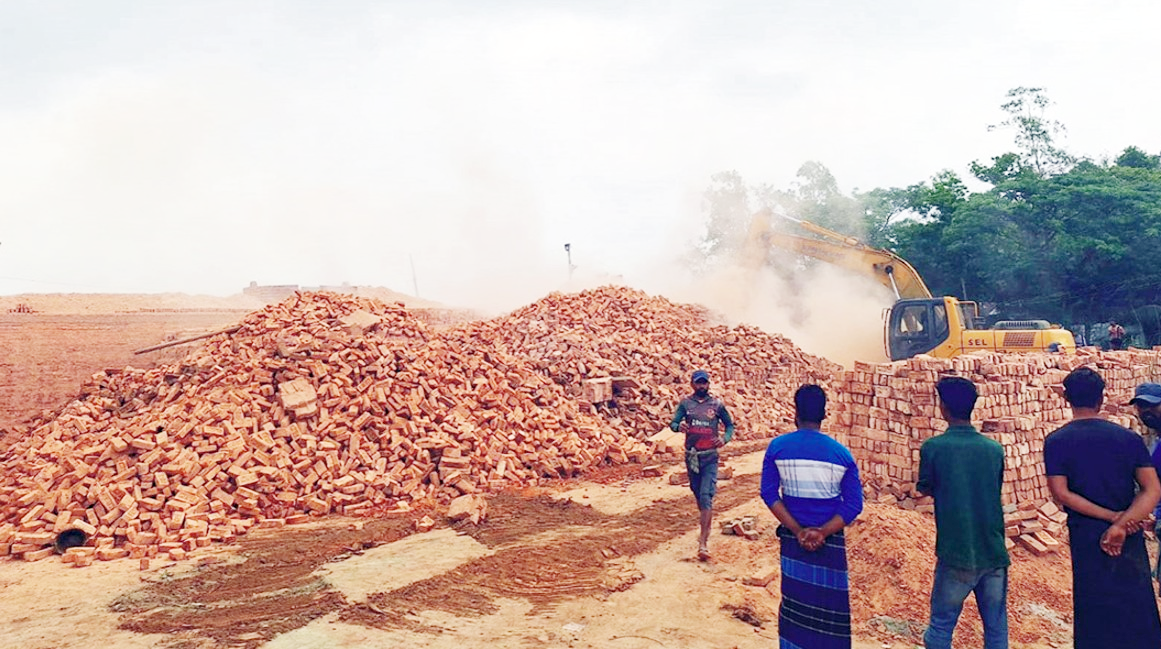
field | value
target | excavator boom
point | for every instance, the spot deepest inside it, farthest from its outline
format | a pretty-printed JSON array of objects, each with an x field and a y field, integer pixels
[
  {"x": 917, "y": 323},
  {"x": 885, "y": 266}
]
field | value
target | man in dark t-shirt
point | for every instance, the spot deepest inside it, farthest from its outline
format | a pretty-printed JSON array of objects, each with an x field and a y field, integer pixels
[{"x": 1102, "y": 475}]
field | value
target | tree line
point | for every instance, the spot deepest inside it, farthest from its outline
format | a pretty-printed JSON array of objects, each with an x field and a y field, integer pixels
[{"x": 1049, "y": 236}]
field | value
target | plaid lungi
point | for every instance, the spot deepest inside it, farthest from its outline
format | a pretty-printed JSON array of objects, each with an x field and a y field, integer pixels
[{"x": 816, "y": 607}]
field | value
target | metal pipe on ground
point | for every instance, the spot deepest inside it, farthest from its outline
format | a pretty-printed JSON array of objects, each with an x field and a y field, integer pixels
[{"x": 73, "y": 538}]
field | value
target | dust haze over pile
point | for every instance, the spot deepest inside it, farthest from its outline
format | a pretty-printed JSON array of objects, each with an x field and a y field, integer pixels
[
  {"x": 826, "y": 311},
  {"x": 452, "y": 148}
]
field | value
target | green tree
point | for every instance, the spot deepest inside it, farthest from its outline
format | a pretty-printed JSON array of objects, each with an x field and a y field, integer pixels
[
  {"x": 1075, "y": 247},
  {"x": 814, "y": 196},
  {"x": 729, "y": 204},
  {"x": 1035, "y": 135},
  {"x": 1134, "y": 157},
  {"x": 1008, "y": 166},
  {"x": 1070, "y": 245}
]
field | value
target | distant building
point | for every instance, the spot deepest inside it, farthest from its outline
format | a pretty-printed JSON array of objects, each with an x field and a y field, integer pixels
[
  {"x": 277, "y": 292},
  {"x": 270, "y": 293}
]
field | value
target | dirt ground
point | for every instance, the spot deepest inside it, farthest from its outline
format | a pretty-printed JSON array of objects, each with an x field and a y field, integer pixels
[{"x": 603, "y": 561}]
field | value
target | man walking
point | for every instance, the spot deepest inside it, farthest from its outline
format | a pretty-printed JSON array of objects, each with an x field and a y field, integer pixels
[
  {"x": 810, "y": 482},
  {"x": 699, "y": 416},
  {"x": 964, "y": 472},
  {"x": 1102, "y": 475}
]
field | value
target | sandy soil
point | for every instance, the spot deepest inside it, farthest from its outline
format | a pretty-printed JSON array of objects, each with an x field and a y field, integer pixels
[{"x": 605, "y": 562}]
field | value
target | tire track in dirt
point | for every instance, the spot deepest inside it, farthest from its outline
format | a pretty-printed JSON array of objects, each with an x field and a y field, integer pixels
[
  {"x": 268, "y": 589},
  {"x": 546, "y": 551},
  {"x": 592, "y": 564}
]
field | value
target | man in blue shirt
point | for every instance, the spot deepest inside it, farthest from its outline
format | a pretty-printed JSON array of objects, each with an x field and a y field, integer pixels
[{"x": 810, "y": 482}]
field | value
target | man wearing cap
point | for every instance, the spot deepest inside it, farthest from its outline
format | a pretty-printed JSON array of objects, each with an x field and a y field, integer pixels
[
  {"x": 1147, "y": 399},
  {"x": 699, "y": 416}
]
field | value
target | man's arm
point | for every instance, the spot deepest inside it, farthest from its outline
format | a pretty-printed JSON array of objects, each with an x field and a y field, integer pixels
[
  {"x": 833, "y": 526},
  {"x": 1129, "y": 520},
  {"x": 1147, "y": 496},
  {"x": 851, "y": 490},
  {"x": 810, "y": 538},
  {"x": 728, "y": 422},
  {"x": 770, "y": 491},
  {"x": 1156, "y": 459},
  {"x": 1065, "y": 497},
  {"x": 771, "y": 483},
  {"x": 675, "y": 423},
  {"x": 926, "y": 483},
  {"x": 785, "y": 517}
]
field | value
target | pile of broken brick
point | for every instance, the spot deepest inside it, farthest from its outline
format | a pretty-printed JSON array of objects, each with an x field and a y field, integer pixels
[{"x": 335, "y": 404}]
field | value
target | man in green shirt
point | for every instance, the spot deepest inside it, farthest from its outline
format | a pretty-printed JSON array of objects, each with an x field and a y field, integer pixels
[{"x": 964, "y": 472}]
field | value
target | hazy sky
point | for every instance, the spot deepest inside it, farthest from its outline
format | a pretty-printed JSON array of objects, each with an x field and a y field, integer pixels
[{"x": 196, "y": 146}]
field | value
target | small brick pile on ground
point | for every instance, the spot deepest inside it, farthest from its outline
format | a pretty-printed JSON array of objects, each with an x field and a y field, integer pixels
[
  {"x": 884, "y": 412},
  {"x": 327, "y": 403}
]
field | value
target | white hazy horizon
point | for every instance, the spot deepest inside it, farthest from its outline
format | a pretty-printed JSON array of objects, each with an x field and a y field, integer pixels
[{"x": 455, "y": 147}]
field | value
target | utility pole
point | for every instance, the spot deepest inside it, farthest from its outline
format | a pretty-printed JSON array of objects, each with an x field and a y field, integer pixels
[{"x": 414, "y": 281}]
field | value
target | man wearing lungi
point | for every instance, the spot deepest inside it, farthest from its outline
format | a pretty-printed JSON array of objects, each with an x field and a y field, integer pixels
[
  {"x": 700, "y": 416},
  {"x": 811, "y": 484},
  {"x": 1102, "y": 475}
]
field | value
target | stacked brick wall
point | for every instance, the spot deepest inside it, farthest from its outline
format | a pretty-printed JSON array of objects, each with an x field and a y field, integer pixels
[{"x": 884, "y": 413}]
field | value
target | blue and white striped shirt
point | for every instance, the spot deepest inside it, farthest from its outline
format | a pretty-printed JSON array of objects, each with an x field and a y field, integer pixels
[{"x": 814, "y": 476}]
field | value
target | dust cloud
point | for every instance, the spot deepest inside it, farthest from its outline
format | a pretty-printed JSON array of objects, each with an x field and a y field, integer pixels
[{"x": 826, "y": 311}]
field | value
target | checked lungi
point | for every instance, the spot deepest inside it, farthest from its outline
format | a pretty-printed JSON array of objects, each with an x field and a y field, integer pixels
[{"x": 816, "y": 607}]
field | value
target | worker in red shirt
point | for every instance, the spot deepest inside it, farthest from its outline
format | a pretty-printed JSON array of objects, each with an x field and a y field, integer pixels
[
  {"x": 699, "y": 416},
  {"x": 1116, "y": 336}
]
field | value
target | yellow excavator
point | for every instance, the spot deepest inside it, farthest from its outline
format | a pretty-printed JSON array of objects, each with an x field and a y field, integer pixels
[{"x": 917, "y": 323}]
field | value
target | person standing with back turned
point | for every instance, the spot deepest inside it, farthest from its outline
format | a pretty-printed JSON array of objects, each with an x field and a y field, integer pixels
[
  {"x": 1102, "y": 475},
  {"x": 1147, "y": 399},
  {"x": 810, "y": 482},
  {"x": 964, "y": 472},
  {"x": 699, "y": 416}
]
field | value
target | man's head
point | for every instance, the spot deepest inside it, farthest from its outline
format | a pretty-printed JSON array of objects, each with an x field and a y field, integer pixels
[
  {"x": 1147, "y": 398},
  {"x": 1084, "y": 388},
  {"x": 809, "y": 405},
  {"x": 957, "y": 398},
  {"x": 700, "y": 382}
]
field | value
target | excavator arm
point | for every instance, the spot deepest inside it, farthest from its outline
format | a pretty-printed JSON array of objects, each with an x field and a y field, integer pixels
[{"x": 885, "y": 266}]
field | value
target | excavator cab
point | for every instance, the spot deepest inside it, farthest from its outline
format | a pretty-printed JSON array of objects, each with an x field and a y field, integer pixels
[{"x": 916, "y": 327}]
